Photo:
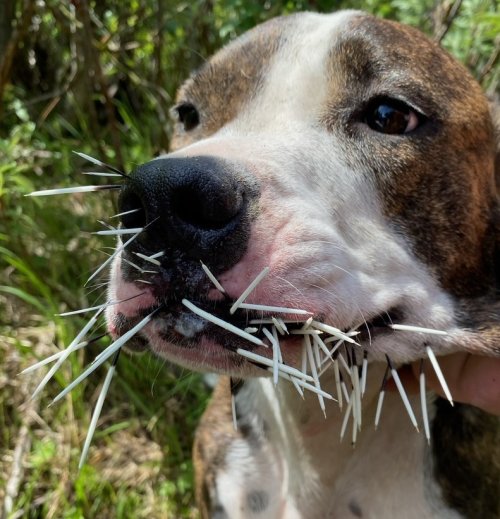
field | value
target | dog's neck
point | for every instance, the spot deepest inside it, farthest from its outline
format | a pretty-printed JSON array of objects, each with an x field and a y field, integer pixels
[{"x": 319, "y": 468}]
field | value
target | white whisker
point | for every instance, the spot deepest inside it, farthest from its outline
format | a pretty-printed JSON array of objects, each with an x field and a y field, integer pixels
[
  {"x": 97, "y": 411},
  {"x": 223, "y": 324},
  {"x": 439, "y": 374},
  {"x": 84, "y": 310},
  {"x": 106, "y": 224},
  {"x": 249, "y": 289},
  {"x": 98, "y": 307},
  {"x": 157, "y": 255},
  {"x": 138, "y": 268}
]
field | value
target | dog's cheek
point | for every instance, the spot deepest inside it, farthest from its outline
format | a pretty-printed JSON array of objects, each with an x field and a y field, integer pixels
[{"x": 126, "y": 298}]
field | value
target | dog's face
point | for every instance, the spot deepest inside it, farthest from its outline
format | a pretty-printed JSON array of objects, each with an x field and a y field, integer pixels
[{"x": 351, "y": 156}]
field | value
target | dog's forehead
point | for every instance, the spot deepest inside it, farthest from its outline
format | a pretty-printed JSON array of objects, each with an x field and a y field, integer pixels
[
  {"x": 308, "y": 67},
  {"x": 278, "y": 58}
]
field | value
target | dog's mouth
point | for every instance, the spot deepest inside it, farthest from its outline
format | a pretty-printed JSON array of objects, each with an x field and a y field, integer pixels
[
  {"x": 205, "y": 334},
  {"x": 178, "y": 332}
]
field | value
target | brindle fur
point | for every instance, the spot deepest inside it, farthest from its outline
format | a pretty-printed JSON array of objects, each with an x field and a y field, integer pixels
[
  {"x": 436, "y": 192},
  {"x": 463, "y": 251}
]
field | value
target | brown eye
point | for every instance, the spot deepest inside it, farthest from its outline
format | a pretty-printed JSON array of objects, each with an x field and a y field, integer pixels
[
  {"x": 391, "y": 116},
  {"x": 188, "y": 116}
]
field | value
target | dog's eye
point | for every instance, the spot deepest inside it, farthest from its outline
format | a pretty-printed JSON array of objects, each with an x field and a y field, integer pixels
[
  {"x": 391, "y": 116},
  {"x": 188, "y": 116}
]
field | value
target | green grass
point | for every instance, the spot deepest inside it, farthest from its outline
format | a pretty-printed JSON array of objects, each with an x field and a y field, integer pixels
[{"x": 139, "y": 464}]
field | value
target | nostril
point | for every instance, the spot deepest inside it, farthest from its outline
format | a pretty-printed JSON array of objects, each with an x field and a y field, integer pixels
[
  {"x": 132, "y": 211},
  {"x": 204, "y": 209}
]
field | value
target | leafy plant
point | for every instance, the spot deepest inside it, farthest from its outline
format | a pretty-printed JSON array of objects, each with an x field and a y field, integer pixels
[{"x": 99, "y": 77}]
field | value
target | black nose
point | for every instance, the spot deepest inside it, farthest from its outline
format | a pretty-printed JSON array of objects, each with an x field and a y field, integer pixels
[{"x": 199, "y": 206}]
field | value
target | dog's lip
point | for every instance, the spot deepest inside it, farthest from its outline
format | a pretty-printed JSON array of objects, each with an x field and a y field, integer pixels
[
  {"x": 379, "y": 324},
  {"x": 190, "y": 340},
  {"x": 212, "y": 348},
  {"x": 177, "y": 315},
  {"x": 181, "y": 322}
]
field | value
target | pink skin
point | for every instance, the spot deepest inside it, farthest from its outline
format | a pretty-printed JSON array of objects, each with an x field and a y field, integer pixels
[
  {"x": 133, "y": 298},
  {"x": 207, "y": 354},
  {"x": 472, "y": 379}
]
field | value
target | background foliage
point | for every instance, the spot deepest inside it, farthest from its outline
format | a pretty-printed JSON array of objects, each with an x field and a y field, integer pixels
[{"x": 99, "y": 77}]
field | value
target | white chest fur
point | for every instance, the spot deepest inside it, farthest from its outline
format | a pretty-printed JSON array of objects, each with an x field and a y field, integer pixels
[{"x": 294, "y": 465}]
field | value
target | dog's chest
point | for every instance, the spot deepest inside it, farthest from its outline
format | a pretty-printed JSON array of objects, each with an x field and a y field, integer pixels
[{"x": 286, "y": 464}]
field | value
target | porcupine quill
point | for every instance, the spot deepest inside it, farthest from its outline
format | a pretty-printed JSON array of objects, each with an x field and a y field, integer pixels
[{"x": 313, "y": 349}]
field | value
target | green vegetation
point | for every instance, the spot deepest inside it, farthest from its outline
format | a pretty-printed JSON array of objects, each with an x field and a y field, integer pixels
[{"x": 99, "y": 77}]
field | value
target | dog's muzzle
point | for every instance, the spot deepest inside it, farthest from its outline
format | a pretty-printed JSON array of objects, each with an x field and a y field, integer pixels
[{"x": 195, "y": 208}]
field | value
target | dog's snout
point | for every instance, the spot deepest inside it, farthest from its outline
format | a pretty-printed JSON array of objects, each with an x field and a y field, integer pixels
[
  {"x": 206, "y": 203},
  {"x": 190, "y": 204}
]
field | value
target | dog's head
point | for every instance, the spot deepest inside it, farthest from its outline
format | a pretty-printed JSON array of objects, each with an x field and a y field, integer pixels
[{"x": 350, "y": 155}]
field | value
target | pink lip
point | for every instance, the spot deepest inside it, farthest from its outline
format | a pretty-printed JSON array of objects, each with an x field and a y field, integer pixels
[{"x": 210, "y": 356}]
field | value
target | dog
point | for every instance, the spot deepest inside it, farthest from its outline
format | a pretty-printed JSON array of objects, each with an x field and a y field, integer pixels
[{"x": 355, "y": 159}]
